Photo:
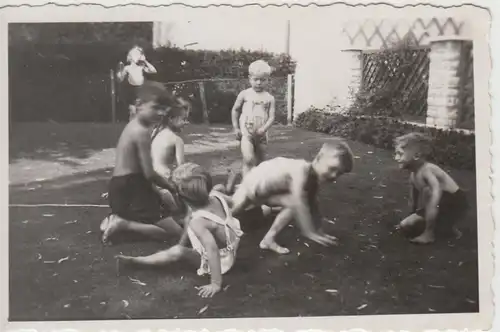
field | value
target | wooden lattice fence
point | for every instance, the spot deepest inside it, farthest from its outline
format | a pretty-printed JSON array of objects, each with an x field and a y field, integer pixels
[{"x": 401, "y": 75}]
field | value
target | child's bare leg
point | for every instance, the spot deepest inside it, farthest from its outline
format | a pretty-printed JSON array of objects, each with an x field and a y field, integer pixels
[
  {"x": 163, "y": 257},
  {"x": 269, "y": 240},
  {"x": 428, "y": 235},
  {"x": 409, "y": 221},
  {"x": 160, "y": 231},
  {"x": 248, "y": 153}
]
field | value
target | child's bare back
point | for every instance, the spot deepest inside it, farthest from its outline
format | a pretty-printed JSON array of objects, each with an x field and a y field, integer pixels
[{"x": 127, "y": 156}]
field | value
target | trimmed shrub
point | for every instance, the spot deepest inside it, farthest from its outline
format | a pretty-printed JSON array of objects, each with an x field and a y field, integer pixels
[{"x": 450, "y": 148}]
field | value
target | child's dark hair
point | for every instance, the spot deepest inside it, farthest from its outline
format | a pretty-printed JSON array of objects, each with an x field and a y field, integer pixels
[
  {"x": 343, "y": 151},
  {"x": 417, "y": 141},
  {"x": 193, "y": 183}
]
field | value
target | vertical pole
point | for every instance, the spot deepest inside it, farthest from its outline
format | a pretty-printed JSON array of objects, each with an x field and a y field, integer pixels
[
  {"x": 289, "y": 99},
  {"x": 201, "y": 85},
  {"x": 113, "y": 95},
  {"x": 287, "y": 38}
]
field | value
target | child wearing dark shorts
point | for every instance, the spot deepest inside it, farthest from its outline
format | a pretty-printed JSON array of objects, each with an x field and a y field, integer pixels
[
  {"x": 135, "y": 205},
  {"x": 435, "y": 198}
]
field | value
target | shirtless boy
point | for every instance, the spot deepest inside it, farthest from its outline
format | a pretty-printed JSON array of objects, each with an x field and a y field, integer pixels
[
  {"x": 167, "y": 149},
  {"x": 434, "y": 196},
  {"x": 135, "y": 205},
  {"x": 293, "y": 184}
]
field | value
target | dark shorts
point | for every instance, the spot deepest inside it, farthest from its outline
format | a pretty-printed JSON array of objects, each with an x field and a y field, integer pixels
[
  {"x": 131, "y": 93},
  {"x": 452, "y": 207},
  {"x": 133, "y": 198}
]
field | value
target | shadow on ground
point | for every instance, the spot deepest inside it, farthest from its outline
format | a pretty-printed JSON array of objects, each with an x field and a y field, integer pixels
[{"x": 372, "y": 271}]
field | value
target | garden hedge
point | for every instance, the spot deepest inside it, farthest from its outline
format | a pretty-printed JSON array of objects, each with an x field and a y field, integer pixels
[{"x": 450, "y": 148}]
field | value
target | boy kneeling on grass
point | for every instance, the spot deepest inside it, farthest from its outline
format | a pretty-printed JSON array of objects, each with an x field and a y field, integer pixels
[
  {"x": 435, "y": 197},
  {"x": 135, "y": 205},
  {"x": 293, "y": 184},
  {"x": 212, "y": 230}
]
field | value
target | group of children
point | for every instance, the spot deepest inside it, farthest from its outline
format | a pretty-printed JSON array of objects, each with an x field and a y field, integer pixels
[{"x": 155, "y": 192}]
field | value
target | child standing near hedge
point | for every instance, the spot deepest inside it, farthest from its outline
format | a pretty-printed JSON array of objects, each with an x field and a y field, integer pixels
[
  {"x": 134, "y": 71},
  {"x": 435, "y": 197},
  {"x": 253, "y": 114}
]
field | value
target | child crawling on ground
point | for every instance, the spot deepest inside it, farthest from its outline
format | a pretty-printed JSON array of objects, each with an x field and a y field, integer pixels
[
  {"x": 293, "y": 184},
  {"x": 135, "y": 205},
  {"x": 213, "y": 231},
  {"x": 435, "y": 197},
  {"x": 167, "y": 150}
]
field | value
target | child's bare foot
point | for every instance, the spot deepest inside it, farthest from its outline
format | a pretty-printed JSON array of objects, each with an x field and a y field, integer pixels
[
  {"x": 424, "y": 238},
  {"x": 114, "y": 224},
  {"x": 273, "y": 246}
]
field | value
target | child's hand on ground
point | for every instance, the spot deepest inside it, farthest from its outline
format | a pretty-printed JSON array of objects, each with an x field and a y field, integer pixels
[
  {"x": 208, "y": 290},
  {"x": 323, "y": 239}
]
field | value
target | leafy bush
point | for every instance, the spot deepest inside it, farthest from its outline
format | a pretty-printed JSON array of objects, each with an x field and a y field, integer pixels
[{"x": 450, "y": 148}]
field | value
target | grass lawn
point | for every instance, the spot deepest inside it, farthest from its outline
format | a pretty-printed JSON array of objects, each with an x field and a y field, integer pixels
[{"x": 373, "y": 271}]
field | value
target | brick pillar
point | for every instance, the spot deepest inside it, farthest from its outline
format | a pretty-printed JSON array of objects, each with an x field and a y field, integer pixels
[
  {"x": 443, "y": 99},
  {"x": 353, "y": 62}
]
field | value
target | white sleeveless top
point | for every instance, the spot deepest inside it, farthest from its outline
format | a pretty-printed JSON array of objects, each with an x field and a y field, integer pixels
[
  {"x": 255, "y": 111},
  {"x": 233, "y": 234}
]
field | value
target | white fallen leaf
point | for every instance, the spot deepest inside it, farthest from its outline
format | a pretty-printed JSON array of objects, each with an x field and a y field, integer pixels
[
  {"x": 38, "y": 256},
  {"x": 67, "y": 305},
  {"x": 306, "y": 244},
  {"x": 330, "y": 221},
  {"x": 202, "y": 310},
  {"x": 51, "y": 239},
  {"x": 49, "y": 262},
  {"x": 125, "y": 303},
  {"x": 362, "y": 306},
  {"x": 75, "y": 281},
  {"x": 63, "y": 259},
  {"x": 40, "y": 179},
  {"x": 471, "y": 301},
  {"x": 136, "y": 281},
  {"x": 357, "y": 157},
  {"x": 88, "y": 232},
  {"x": 71, "y": 222},
  {"x": 48, "y": 215},
  {"x": 432, "y": 310},
  {"x": 333, "y": 291},
  {"x": 147, "y": 294},
  {"x": 104, "y": 195},
  {"x": 298, "y": 253},
  {"x": 225, "y": 288},
  {"x": 25, "y": 221},
  {"x": 370, "y": 152},
  {"x": 435, "y": 286},
  {"x": 378, "y": 197},
  {"x": 103, "y": 303}
]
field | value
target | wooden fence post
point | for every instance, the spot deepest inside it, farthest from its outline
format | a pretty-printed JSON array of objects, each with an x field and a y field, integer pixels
[
  {"x": 289, "y": 99},
  {"x": 113, "y": 95},
  {"x": 204, "y": 106}
]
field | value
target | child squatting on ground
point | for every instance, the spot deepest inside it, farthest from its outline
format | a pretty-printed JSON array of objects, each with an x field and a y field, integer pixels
[
  {"x": 167, "y": 150},
  {"x": 212, "y": 230},
  {"x": 253, "y": 114},
  {"x": 293, "y": 184},
  {"x": 135, "y": 205},
  {"x": 435, "y": 197},
  {"x": 134, "y": 71}
]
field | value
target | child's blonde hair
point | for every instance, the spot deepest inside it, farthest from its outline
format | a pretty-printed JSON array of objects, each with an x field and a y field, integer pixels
[
  {"x": 418, "y": 142},
  {"x": 343, "y": 151},
  {"x": 193, "y": 183},
  {"x": 134, "y": 54},
  {"x": 259, "y": 67}
]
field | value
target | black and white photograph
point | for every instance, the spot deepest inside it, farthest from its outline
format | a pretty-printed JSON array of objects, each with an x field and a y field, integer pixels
[{"x": 174, "y": 164}]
